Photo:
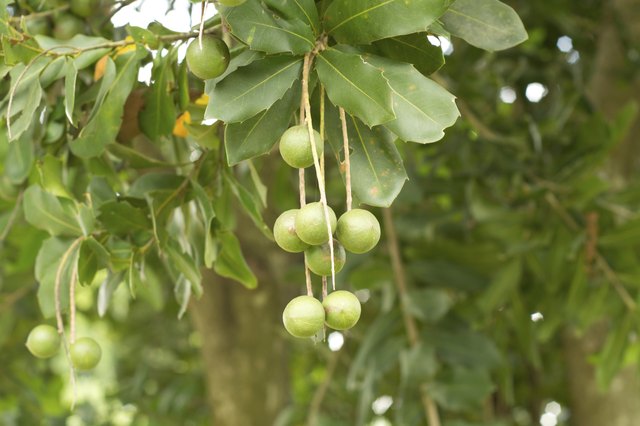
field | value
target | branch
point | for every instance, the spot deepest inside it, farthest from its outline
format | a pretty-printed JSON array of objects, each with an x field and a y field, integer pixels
[{"x": 400, "y": 279}]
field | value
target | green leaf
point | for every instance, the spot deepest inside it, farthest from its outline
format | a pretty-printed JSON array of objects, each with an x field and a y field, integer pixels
[
  {"x": 253, "y": 88},
  {"x": 158, "y": 116},
  {"x": 257, "y": 135},
  {"x": 143, "y": 36},
  {"x": 249, "y": 204},
  {"x": 70, "y": 89},
  {"x": 418, "y": 364},
  {"x": 47, "y": 212},
  {"x": 428, "y": 305},
  {"x": 93, "y": 256},
  {"x": 105, "y": 125},
  {"x": 377, "y": 171},
  {"x": 120, "y": 217},
  {"x": 423, "y": 108},
  {"x": 185, "y": 264},
  {"x": 356, "y": 86},
  {"x": 609, "y": 361},
  {"x": 462, "y": 347},
  {"x": 231, "y": 263},
  {"x": 487, "y": 24},
  {"x": 413, "y": 49},
  {"x": 19, "y": 159},
  {"x": 364, "y": 21},
  {"x": 208, "y": 214},
  {"x": 27, "y": 95},
  {"x": 47, "y": 263},
  {"x": 505, "y": 281},
  {"x": 302, "y": 10},
  {"x": 462, "y": 389},
  {"x": 264, "y": 30},
  {"x": 625, "y": 235},
  {"x": 71, "y": 46},
  {"x": 50, "y": 170}
]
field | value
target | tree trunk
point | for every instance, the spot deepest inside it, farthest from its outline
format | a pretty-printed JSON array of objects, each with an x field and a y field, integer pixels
[
  {"x": 618, "y": 405},
  {"x": 244, "y": 352},
  {"x": 613, "y": 85}
]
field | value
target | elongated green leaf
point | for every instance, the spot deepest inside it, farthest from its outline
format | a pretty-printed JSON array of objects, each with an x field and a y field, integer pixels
[
  {"x": 70, "y": 89},
  {"x": 487, "y": 24},
  {"x": 302, "y": 10},
  {"x": 423, "y": 108},
  {"x": 364, "y": 21},
  {"x": 266, "y": 31},
  {"x": 208, "y": 214},
  {"x": 231, "y": 263},
  {"x": 462, "y": 389},
  {"x": 253, "y": 88},
  {"x": 105, "y": 125},
  {"x": 158, "y": 115},
  {"x": 257, "y": 135},
  {"x": 238, "y": 60},
  {"x": 505, "y": 281},
  {"x": 50, "y": 169},
  {"x": 47, "y": 264},
  {"x": 356, "y": 86},
  {"x": 414, "y": 49},
  {"x": 249, "y": 203},
  {"x": 19, "y": 159},
  {"x": 93, "y": 256},
  {"x": 186, "y": 266},
  {"x": 69, "y": 47},
  {"x": 45, "y": 211},
  {"x": 120, "y": 217},
  {"x": 27, "y": 95}
]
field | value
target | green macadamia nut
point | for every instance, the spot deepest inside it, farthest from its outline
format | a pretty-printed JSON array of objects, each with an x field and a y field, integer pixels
[
  {"x": 319, "y": 258},
  {"x": 303, "y": 316},
  {"x": 295, "y": 146},
  {"x": 358, "y": 230},
  {"x": 284, "y": 232},
  {"x": 342, "y": 310},
  {"x": 43, "y": 341},
  {"x": 311, "y": 225}
]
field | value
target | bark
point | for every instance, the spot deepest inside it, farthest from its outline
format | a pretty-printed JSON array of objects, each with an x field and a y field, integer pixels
[
  {"x": 614, "y": 83},
  {"x": 244, "y": 352},
  {"x": 590, "y": 406}
]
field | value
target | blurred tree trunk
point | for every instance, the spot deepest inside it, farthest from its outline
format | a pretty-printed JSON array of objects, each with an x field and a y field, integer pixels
[
  {"x": 243, "y": 350},
  {"x": 610, "y": 89}
]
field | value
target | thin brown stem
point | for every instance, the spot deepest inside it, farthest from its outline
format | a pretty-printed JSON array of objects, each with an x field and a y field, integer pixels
[
  {"x": 308, "y": 58},
  {"x": 72, "y": 303},
  {"x": 400, "y": 280},
  {"x": 201, "y": 31},
  {"x": 38, "y": 15},
  {"x": 347, "y": 161}
]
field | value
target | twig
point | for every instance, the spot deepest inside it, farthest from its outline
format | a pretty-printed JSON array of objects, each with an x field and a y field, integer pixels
[
  {"x": 347, "y": 161},
  {"x": 400, "y": 279},
  {"x": 72, "y": 303},
  {"x": 37, "y": 15},
  {"x": 323, "y": 195}
]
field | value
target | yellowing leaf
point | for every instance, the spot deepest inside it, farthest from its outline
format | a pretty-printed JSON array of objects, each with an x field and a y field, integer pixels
[
  {"x": 202, "y": 100},
  {"x": 98, "y": 71},
  {"x": 179, "y": 129}
]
